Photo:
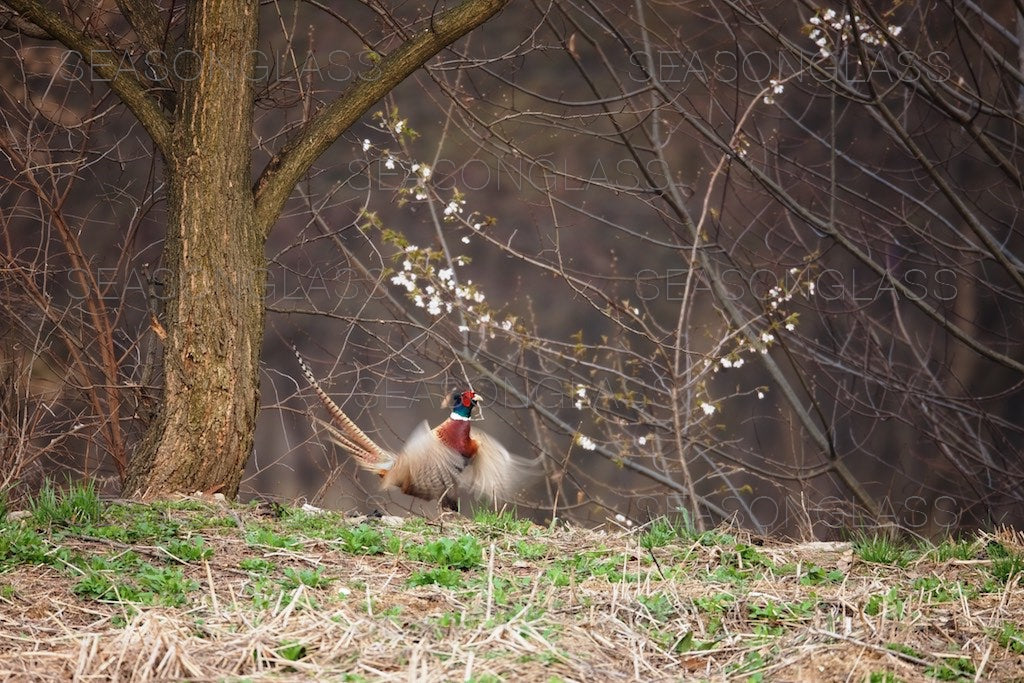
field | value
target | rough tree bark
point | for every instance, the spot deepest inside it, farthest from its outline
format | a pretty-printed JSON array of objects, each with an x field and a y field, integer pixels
[
  {"x": 218, "y": 222},
  {"x": 203, "y": 433}
]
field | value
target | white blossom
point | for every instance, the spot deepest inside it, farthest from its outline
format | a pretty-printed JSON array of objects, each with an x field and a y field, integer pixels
[
  {"x": 760, "y": 394},
  {"x": 465, "y": 240},
  {"x": 708, "y": 408},
  {"x": 776, "y": 89},
  {"x": 445, "y": 274},
  {"x": 390, "y": 163},
  {"x": 586, "y": 443},
  {"x": 399, "y": 126},
  {"x": 790, "y": 326},
  {"x": 767, "y": 337},
  {"x": 642, "y": 440},
  {"x": 366, "y": 144},
  {"x": 463, "y": 328},
  {"x": 402, "y": 280}
]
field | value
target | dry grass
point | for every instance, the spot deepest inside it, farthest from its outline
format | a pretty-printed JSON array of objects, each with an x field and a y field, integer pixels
[{"x": 536, "y": 605}]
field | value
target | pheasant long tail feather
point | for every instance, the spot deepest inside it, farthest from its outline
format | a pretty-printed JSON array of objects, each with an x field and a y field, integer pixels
[
  {"x": 346, "y": 433},
  {"x": 363, "y": 456}
]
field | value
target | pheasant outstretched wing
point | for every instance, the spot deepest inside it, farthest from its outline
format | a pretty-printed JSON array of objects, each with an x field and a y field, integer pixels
[
  {"x": 426, "y": 467},
  {"x": 493, "y": 473}
]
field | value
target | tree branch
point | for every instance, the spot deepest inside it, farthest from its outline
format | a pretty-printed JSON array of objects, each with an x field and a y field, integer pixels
[
  {"x": 294, "y": 159},
  {"x": 10, "y": 19},
  {"x": 144, "y": 19},
  {"x": 100, "y": 57}
]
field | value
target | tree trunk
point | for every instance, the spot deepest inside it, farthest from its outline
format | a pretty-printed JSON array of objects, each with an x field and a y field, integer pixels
[{"x": 203, "y": 434}]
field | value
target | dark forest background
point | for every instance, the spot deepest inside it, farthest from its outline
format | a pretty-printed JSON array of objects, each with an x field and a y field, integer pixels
[{"x": 752, "y": 261}]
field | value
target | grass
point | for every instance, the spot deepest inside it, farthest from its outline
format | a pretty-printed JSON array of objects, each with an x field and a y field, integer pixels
[
  {"x": 883, "y": 549},
  {"x": 187, "y": 589}
]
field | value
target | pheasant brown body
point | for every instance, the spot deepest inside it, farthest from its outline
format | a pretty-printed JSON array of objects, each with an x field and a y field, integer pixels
[
  {"x": 434, "y": 462},
  {"x": 455, "y": 435}
]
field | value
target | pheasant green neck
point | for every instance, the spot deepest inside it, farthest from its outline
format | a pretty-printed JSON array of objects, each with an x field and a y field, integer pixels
[{"x": 462, "y": 405}]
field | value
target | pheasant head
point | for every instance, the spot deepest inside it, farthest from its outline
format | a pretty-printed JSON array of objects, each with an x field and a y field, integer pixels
[{"x": 462, "y": 404}]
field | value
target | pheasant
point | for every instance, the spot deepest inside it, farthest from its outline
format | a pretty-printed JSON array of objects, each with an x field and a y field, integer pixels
[{"x": 435, "y": 462}]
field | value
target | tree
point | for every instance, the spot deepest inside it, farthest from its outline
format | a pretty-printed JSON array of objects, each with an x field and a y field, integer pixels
[{"x": 196, "y": 104}]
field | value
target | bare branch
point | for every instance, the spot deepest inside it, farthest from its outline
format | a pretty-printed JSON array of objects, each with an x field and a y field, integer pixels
[
  {"x": 98, "y": 55},
  {"x": 288, "y": 165}
]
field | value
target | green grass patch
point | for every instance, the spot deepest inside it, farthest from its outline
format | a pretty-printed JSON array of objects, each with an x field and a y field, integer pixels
[
  {"x": 463, "y": 552},
  {"x": 883, "y": 549},
  {"x": 77, "y": 505},
  {"x": 1006, "y": 566},
  {"x": 952, "y": 669},
  {"x": 264, "y": 536},
  {"x": 364, "y": 540},
  {"x": 1011, "y": 637},
  {"x": 504, "y": 521},
  {"x": 440, "y": 576}
]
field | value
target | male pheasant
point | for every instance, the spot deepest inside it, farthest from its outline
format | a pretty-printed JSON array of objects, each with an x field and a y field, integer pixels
[{"x": 435, "y": 462}]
